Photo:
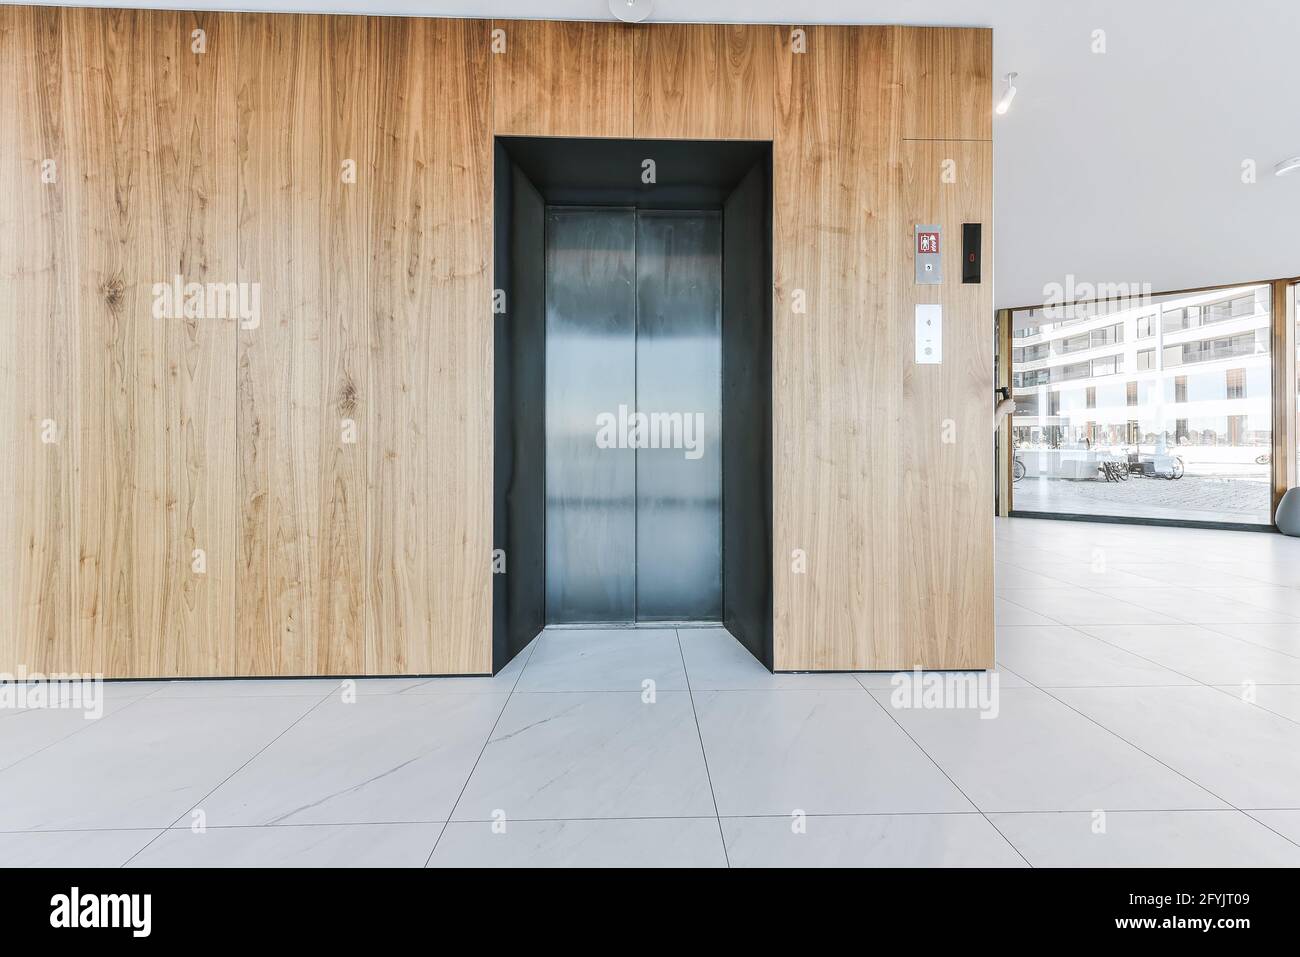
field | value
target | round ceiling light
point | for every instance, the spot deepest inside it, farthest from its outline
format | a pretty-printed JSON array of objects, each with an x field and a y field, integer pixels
[
  {"x": 631, "y": 11},
  {"x": 1287, "y": 166}
]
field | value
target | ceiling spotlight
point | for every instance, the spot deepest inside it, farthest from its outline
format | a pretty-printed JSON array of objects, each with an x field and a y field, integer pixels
[
  {"x": 1004, "y": 104},
  {"x": 631, "y": 11},
  {"x": 1287, "y": 166}
]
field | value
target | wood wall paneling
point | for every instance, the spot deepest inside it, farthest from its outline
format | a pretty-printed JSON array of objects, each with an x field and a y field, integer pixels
[
  {"x": 307, "y": 180},
  {"x": 836, "y": 377},
  {"x": 325, "y": 555},
  {"x": 38, "y": 514},
  {"x": 946, "y": 555},
  {"x": 149, "y": 126},
  {"x": 705, "y": 80},
  {"x": 947, "y": 81},
  {"x": 105, "y": 113},
  {"x": 430, "y": 527},
  {"x": 185, "y": 385},
  {"x": 563, "y": 78},
  {"x": 12, "y": 159}
]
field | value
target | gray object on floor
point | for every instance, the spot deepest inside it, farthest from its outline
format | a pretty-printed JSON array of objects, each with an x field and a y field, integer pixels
[{"x": 1288, "y": 513}]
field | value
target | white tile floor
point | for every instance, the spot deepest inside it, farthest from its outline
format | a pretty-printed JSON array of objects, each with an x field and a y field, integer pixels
[{"x": 1149, "y": 714}]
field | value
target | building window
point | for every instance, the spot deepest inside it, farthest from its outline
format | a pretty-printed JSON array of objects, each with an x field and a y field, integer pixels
[
  {"x": 1079, "y": 370},
  {"x": 1073, "y": 344},
  {"x": 1234, "y": 308},
  {"x": 1107, "y": 366},
  {"x": 1175, "y": 320},
  {"x": 1108, "y": 336},
  {"x": 1228, "y": 347},
  {"x": 1189, "y": 397}
]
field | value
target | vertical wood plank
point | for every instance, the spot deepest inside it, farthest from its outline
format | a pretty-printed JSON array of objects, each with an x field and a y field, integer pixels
[
  {"x": 705, "y": 80},
  {"x": 946, "y": 559},
  {"x": 430, "y": 472},
  {"x": 106, "y": 105},
  {"x": 37, "y": 516},
  {"x": 563, "y": 78},
  {"x": 280, "y": 179},
  {"x": 184, "y": 384},
  {"x": 350, "y": 130},
  {"x": 947, "y": 82},
  {"x": 14, "y": 38},
  {"x": 837, "y": 391},
  {"x": 305, "y": 112}
]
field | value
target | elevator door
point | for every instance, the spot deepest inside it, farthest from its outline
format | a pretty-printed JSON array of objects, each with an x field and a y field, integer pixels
[{"x": 633, "y": 415}]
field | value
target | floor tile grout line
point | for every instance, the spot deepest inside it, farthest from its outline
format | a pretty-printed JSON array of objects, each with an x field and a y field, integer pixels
[
  {"x": 1265, "y": 824},
  {"x": 443, "y": 830},
  {"x": 1185, "y": 777},
  {"x": 974, "y": 812},
  {"x": 704, "y": 753},
  {"x": 88, "y": 725},
  {"x": 1111, "y": 644},
  {"x": 1079, "y": 628},
  {"x": 898, "y": 724},
  {"x": 131, "y": 857},
  {"x": 1037, "y": 570},
  {"x": 253, "y": 757},
  {"x": 1199, "y": 682},
  {"x": 1223, "y": 689},
  {"x": 1247, "y": 641},
  {"x": 451, "y": 814},
  {"x": 1173, "y": 619}
]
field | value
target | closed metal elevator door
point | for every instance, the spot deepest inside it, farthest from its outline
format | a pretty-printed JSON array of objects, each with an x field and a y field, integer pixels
[
  {"x": 633, "y": 415},
  {"x": 679, "y": 378}
]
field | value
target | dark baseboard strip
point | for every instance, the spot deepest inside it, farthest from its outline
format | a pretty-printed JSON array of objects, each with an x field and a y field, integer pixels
[{"x": 1157, "y": 522}]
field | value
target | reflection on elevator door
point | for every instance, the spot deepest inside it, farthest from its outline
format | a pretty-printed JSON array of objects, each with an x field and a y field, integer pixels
[{"x": 633, "y": 415}]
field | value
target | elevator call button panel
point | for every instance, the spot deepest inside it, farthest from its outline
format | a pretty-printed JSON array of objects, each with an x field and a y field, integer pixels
[
  {"x": 929, "y": 266},
  {"x": 929, "y": 334}
]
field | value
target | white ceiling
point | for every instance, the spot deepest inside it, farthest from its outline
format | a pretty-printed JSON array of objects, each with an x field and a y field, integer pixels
[{"x": 1117, "y": 167}]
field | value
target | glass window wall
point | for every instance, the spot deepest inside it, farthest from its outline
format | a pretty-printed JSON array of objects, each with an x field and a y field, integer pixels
[{"x": 1159, "y": 409}]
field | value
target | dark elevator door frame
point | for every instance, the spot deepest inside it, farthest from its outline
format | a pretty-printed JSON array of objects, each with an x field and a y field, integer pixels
[{"x": 633, "y": 320}]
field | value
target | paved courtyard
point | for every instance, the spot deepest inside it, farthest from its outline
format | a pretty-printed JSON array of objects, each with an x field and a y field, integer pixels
[{"x": 1202, "y": 497}]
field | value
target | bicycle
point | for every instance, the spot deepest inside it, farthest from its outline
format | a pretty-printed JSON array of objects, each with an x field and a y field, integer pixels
[{"x": 1114, "y": 471}]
